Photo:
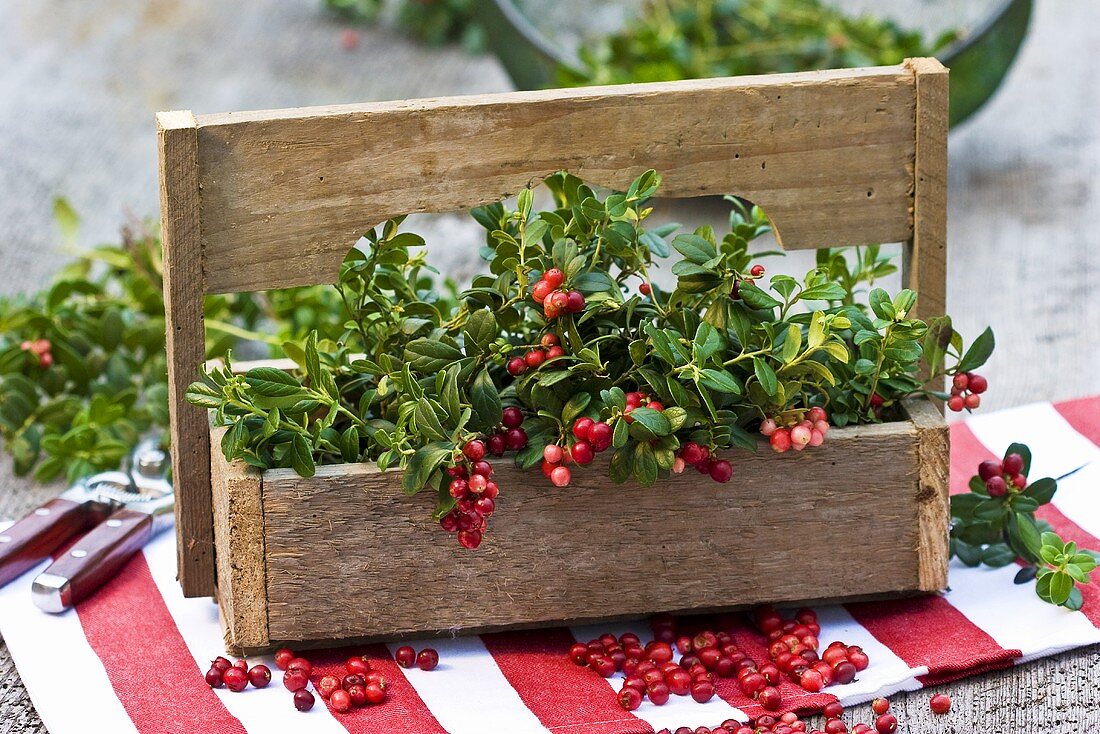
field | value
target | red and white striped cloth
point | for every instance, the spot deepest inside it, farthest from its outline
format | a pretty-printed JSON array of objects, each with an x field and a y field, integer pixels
[{"x": 131, "y": 658}]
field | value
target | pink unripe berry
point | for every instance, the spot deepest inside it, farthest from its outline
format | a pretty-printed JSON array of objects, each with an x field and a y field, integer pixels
[
  {"x": 767, "y": 426},
  {"x": 816, "y": 437},
  {"x": 678, "y": 465},
  {"x": 972, "y": 401},
  {"x": 956, "y": 403},
  {"x": 552, "y": 453},
  {"x": 561, "y": 476},
  {"x": 800, "y": 436}
]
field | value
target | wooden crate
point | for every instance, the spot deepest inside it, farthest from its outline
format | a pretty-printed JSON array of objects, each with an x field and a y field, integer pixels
[{"x": 273, "y": 199}]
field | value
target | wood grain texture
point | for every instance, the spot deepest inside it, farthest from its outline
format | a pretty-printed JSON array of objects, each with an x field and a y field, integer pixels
[
  {"x": 934, "y": 512},
  {"x": 287, "y": 192},
  {"x": 348, "y": 556},
  {"x": 238, "y": 529},
  {"x": 184, "y": 288}
]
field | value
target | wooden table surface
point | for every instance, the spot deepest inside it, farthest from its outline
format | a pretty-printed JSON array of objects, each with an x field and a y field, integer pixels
[{"x": 79, "y": 84}]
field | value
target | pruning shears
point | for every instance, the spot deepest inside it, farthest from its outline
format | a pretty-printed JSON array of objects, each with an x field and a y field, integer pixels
[{"x": 117, "y": 512}]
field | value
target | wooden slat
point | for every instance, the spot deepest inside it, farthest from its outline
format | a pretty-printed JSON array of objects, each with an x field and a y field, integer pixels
[
  {"x": 239, "y": 531},
  {"x": 934, "y": 515},
  {"x": 349, "y": 556},
  {"x": 184, "y": 286},
  {"x": 286, "y": 193}
]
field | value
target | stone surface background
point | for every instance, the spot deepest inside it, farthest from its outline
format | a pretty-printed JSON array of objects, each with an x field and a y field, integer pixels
[{"x": 79, "y": 83}]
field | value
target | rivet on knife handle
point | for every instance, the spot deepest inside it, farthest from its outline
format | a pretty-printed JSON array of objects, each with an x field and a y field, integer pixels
[
  {"x": 31, "y": 540},
  {"x": 92, "y": 561}
]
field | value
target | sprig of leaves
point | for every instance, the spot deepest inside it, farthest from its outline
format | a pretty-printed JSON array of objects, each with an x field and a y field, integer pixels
[{"x": 998, "y": 531}]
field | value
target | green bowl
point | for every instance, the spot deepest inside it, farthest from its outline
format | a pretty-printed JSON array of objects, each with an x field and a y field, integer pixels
[{"x": 531, "y": 51}]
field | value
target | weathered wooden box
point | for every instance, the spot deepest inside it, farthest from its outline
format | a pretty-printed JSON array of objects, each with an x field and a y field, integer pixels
[{"x": 260, "y": 200}]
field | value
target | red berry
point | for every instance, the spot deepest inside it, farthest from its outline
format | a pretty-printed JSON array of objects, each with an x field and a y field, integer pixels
[
  {"x": 991, "y": 468},
  {"x": 235, "y": 679},
  {"x": 973, "y": 400},
  {"x": 242, "y": 664},
  {"x": 812, "y": 681},
  {"x": 515, "y": 439},
  {"x": 561, "y": 476},
  {"x": 1013, "y": 464},
  {"x": 578, "y": 653},
  {"x": 495, "y": 444},
  {"x": 554, "y": 277},
  {"x": 956, "y": 403},
  {"x": 581, "y": 427},
  {"x": 880, "y": 706},
  {"x": 282, "y": 657},
  {"x": 996, "y": 486},
  {"x": 781, "y": 440},
  {"x": 468, "y": 539},
  {"x": 679, "y": 682},
  {"x": 214, "y": 678},
  {"x": 599, "y": 435},
  {"x": 405, "y": 656},
  {"x": 940, "y": 703},
  {"x": 978, "y": 384},
  {"x": 816, "y": 414},
  {"x": 645, "y": 289},
  {"x": 293, "y": 680},
  {"x": 858, "y": 658},
  {"x": 540, "y": 291},
  {"x": 328, "y": 685},
  {"x": 478, "y": 483},
  {"x": 844, "y": 672},
  {"x": 303, "y": 700},
  {"x": 474, "y": 450},
  {"x": 300, "y": 664},
  {"x": 833, "y": 710},
  {"x": 574, "y": 302},
  {"x": 721, "y": 471},
  {"x": 222, "y": 664},
  {"x": 655, "y": 405},
  {"x": 756, "y": 271},
  {"x": 357, "y": 665},
  {"x": 516, "y": 366},
  {"x": 835, "y": 726},
  {"x": 512, "y": 417},
  {"x": 658, "y": 693},
  {"x": 1019, "y": 481},
  {"x": 459, "y": 488},
  {"x": 770, "y": 698},
  {"x": 582, "y": 452},
  {"x": 886, "y": 724},
  {"x": 549, "y": 340},
  {"x": 259, "y": 676},
  {"x": 552, "y": 453},
  {"x": 534, "y": 358},
  {"x": 375, "y": 692},
  {"x": 659, "y": 652},
  {"x": 427, "y": 659},
  {"x": 702, "y": 691},
  {"x": 485, "y": 506},
  {"x": 629, "y": 698},
  {"x": 358, "y": 695},
  {"x": 340, "y": 701},
  {"x": 960, "y": 381},
  {"x": 555, "y": 352}
]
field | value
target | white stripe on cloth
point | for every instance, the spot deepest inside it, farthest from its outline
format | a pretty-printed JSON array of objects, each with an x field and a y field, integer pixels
[
  {"x": 886, "y": 674},
  {"x": 1078, "y": 497},
  {"x": 263, "y": 709},
  {"x": 680, "y": 710},
  {"x": 38, "y": 648},
  {"x": 1055, "y": 447},
  {"x": 467, "y": 693}
]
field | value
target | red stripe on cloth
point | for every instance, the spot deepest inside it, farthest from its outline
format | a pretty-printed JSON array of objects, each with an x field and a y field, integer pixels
[
  {"x": 1083, "y": 415},
  {"x": 929, "y": 631},
  {"x": 563, "y": 696},
  {"x": 160, "y": 686},
  {"x": 403, "y": 710},
  {"x": 950, "y": 676},
  {"x": 966, "y": 453}
]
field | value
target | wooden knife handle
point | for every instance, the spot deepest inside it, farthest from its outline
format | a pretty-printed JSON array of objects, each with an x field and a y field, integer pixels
[
  {"x": 93, "y": 561},
  {"x": 31, "y": 540}
]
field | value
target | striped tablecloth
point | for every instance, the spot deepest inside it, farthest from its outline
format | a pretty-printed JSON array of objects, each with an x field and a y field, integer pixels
[{"x": 132, "y": 657}]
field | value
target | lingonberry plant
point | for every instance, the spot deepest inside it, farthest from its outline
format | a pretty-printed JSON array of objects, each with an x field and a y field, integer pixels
[
  {"x": 995, "y": 524},
  {"x": 567, "y": 348}
]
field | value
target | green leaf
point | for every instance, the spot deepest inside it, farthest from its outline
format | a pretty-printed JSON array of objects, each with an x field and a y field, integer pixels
[
  {"x": 202, "y": 395},
  {"x": 707, "y": 342},
  {"x": 971, "y": 555},
  {"x": 791, "y": 344},
  {"x": 978, "y": 353},
  {"x": 649, "y": 421},
  {"x": 68, "y": 221},
  {"x": 998, "y": 555},
  {"x": 1061, "y": 584},
  {"x": 1025, "y": 454},
  {"x": 620, "y": 434},
  {"x": 272, "y": 382},
  {"x": 881, "y": 304},
  {"x": 720, "y": 380},
  {"x": 1024, "y": 529},
  {"x": 427, "y": 422},
  {"x": 694, "y": 248},
  {"x": 1041, "y": 490},
  {"x": 1074, "y": 601},
  {"x": 480, "y": 330},
  {"x": 349, "y": 444},
  {"x": 645, "y": 464},
  {"x": 430, "y": 355},
  {"x": 485, "y": 400},
  {"x": 823, "y": 292},
  {"x": 622, "y": 465},
  {"x": 766, "y": 375},
  {"x": 301, "y": 456},
  {"x": 575, "y": 407},
  {"x": 755, "y": 298},
  {"x": 421, "y": 465}
]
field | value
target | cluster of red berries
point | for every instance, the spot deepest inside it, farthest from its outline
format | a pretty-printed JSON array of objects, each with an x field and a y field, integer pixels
[
  {"x": 360, "y": 686},
  {"x": 236, "y": 676},
  {"x": 511, "y": 436},
  {"x": 700, "y": 457},
  {"x": 649, "y": 670},
  {"x": 755, "y": 271},
  {"x": 966, "y": 390},
  {"x": 549, "y": 348},
  {"x": 1000, "y": 476},
  {"x": 793, "y": 646},
  {"x": 590, "y": 438},
  {"x": 555, "y": 300},
  {"x": 810, "y": 431},
  {"x": 407, "y": 657},
  {"x": 40, "y": 348},
  {"x": 474, "y": 491}
]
